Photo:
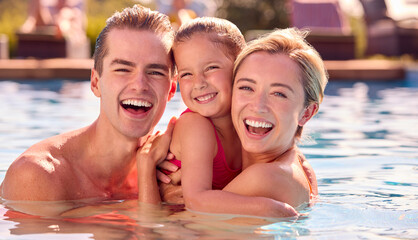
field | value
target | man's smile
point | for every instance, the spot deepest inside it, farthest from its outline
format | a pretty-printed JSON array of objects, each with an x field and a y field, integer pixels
[{"x": 136, "y": 106}]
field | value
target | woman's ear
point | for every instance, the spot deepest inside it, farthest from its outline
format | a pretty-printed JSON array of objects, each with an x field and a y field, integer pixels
[
  {"x": 308, "y": 113},
  {"x": 94, "y": 83},
  {"x": 173, "y": 87}
]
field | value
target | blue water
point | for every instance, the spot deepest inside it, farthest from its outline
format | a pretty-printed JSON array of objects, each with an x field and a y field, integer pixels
[{"x": 363, "y": 145}]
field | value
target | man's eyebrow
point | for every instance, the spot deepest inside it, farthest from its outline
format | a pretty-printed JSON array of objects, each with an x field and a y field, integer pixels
[
  {"x": 123, "y": 62},
  {"x": 158, "y": 66},
  {"x": 282, "y": 85}
]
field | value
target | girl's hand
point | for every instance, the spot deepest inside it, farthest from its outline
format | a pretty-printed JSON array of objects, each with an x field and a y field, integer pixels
[{"x": 154, "y": 150}]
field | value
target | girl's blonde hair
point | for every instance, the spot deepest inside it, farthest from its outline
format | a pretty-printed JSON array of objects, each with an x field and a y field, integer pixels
[
  {"x": 291, "y": 42},
  {"x": 220, "y": 31}
]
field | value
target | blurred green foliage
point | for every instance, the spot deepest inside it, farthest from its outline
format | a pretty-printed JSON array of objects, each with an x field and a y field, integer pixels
[
  {"x": 12, "y": 15},
  {"x": 246, "y": 14},
  {"x": 255, "y": 14}
]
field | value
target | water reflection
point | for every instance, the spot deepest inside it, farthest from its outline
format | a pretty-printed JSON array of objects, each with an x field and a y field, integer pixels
[{"x": 363, "y": 146}]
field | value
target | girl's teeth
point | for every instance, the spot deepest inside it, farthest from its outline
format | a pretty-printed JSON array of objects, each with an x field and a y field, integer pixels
[{"x": 206, "y": 97}]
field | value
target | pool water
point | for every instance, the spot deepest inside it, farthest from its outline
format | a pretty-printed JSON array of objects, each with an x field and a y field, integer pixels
[{"x": 363, "y": 145}]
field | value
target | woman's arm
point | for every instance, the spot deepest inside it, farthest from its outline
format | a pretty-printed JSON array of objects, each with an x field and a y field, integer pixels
[{"x": 198, "y": 148}]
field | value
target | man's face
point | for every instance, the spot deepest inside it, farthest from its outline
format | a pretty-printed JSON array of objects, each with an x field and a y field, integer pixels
[{"x": 135, "y": 84}]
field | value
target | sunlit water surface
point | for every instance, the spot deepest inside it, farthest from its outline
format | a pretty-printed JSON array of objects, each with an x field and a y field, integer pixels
[{"x": 363, "y": 146}]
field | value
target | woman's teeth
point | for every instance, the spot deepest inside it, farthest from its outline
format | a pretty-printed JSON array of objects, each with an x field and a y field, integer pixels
[{"x": 258, "y": 124}]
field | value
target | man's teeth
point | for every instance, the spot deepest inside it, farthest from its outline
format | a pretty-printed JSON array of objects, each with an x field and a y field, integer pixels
[
  {"x": 206, "y": 97},
  {"x": 258, "y": 124},
  {"x": 136, "y": 103}
]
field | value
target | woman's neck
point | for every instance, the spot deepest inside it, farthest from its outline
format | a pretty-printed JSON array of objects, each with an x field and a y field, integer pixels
[{"x": 249, "y": 158}]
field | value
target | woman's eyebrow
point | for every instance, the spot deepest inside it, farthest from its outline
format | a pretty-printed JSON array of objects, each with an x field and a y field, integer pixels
[
  {"x": 282, "y": 85},
  {"x": 246, "y": 80}
]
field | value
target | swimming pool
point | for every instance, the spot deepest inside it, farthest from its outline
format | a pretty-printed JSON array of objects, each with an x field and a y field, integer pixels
[{"x": 363, "y": 146}]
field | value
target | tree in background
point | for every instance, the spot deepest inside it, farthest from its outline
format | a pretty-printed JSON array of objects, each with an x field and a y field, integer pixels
[{"x": 255, "y": 14}]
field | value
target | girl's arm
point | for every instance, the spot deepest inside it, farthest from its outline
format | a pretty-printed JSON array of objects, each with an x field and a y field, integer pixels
[
  {"x": 153, "y": 152},
  {"x": 198, "y": 147}
]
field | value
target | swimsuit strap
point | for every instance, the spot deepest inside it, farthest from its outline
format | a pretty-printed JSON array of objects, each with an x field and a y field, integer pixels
[{"x": 309, "y": 182}]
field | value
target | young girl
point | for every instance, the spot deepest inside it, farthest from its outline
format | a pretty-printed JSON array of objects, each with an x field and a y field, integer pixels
[{"x": 204, "y": 138}]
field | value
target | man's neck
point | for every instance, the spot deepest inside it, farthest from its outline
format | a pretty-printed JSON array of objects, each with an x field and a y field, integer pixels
[{"x": 110, "y": 157}]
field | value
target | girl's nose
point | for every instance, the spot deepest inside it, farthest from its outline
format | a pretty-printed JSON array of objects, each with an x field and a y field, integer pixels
[{"x": 200, "y": 82}]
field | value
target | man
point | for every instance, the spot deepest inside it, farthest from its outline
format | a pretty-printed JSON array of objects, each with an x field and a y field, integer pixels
[{"x": 132, "y": 76}]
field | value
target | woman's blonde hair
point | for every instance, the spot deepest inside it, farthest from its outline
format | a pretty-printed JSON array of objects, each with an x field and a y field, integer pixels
[{"x": 291, "y": 42}]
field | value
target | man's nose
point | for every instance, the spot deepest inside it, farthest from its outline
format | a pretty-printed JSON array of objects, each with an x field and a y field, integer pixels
[{"x": 140, "y": 82}]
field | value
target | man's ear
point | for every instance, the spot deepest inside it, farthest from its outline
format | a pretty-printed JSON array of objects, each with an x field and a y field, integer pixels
[
  {"x": 94, "y": 82},
  {"x": 308, "y": 113},
  {"x": 173, "y": 87}
]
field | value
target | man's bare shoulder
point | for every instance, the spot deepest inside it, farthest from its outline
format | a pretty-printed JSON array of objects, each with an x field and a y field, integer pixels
[
  {"x": 32, "y": 177},
  {"x": 40, "y": 172}
]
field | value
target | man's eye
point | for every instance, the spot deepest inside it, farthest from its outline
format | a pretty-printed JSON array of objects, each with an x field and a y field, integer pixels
[
  {"x": 157, "y": 73},
  {"x": 122, "y": 70}
]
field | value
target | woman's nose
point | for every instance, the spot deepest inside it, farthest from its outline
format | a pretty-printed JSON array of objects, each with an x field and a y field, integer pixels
[{"x": 259, "y": 103}]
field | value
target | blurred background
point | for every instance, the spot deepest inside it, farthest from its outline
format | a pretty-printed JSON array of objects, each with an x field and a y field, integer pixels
[{"x": 340, "y": 29}]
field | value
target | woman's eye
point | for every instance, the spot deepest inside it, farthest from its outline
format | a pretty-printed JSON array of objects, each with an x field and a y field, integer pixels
[
  {"x": 279, "y": 94},
  {"x": 245, "y": 88}
]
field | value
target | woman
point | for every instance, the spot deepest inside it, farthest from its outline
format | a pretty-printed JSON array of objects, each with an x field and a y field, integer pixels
[{"x": 279, "y": 84}]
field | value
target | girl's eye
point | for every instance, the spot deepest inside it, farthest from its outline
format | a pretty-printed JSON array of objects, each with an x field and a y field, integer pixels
[
  {"x": 212, "y": 67},
  {"x": 185, "y": 75}
]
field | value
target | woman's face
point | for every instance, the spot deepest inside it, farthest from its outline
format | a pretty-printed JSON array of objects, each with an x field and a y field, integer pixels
[{"x": 267, "y": 103}]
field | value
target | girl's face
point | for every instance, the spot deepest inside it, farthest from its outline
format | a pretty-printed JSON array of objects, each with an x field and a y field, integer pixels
[
  {"x": 267, "y": 103},
  {"x": 204, "y": 76}
]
